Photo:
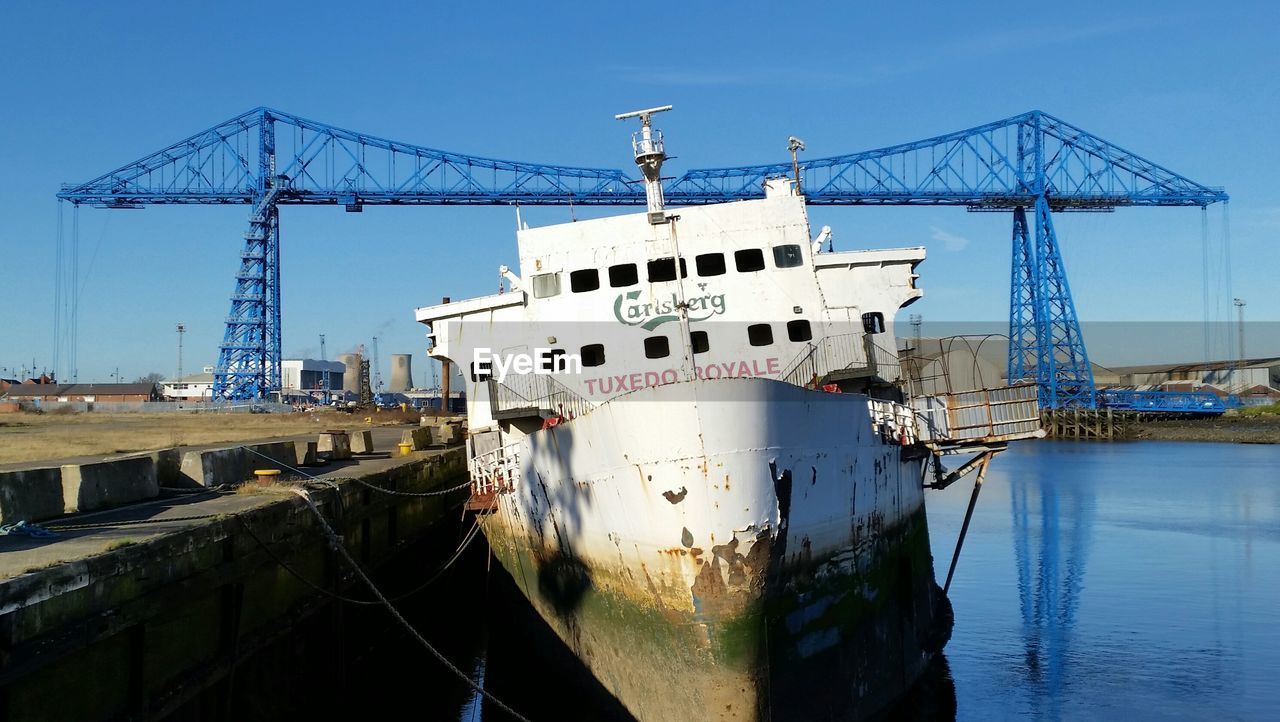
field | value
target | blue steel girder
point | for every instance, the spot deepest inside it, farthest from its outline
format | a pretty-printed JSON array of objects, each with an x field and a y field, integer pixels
[
  {"x": 323, "y": 164},
  {"x": 983, "y": 167},
  {"x": 1062, "y": 365},
  {"x": 1023, "y": 309},
  {"x": 268, "y": 158},
  {"x": 316, "y": 163}
]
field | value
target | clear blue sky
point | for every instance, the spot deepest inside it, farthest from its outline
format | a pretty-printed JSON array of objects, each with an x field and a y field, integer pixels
[{"x": 88, "y": 87}]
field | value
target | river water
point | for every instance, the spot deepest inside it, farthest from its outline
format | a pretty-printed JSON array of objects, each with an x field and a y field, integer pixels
[{"x": 1098, "y": 581}]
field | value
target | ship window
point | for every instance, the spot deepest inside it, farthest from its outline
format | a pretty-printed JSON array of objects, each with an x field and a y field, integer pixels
[
  {"x": 623, "y": 274},
  {"x": 787, "y": 256},
  {"x": 873, "y": 322},
  {"x": 799, "y": 330},
  {"x": 481, "y": 371},
  {"x": 760, "y": 334},
  {"x": 593, "y": 354},
  {"x": 546, "y": 285},
  {"x": 709, "y": 264},
  {"x": 657, "y": 347},
  {"x": 701, "y": 344},
  {"x": 552, "y": 360},
  {"x": 749, "y": 259},
  {"x": 664, "y": 269},
  {"x": 588, "y": 279}
]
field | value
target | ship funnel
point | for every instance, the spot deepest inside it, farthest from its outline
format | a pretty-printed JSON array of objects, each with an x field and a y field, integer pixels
[
  {"x": 401, "y": 373},
  {"x": 650, "y": 153}
]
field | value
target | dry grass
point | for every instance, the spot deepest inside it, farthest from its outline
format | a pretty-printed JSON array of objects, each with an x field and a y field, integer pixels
[{"x": 34, "y": 437}]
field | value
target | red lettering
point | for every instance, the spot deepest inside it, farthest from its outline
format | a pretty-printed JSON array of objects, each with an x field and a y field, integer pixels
[
  {"x": 772, "y": 366},
  {"x": 673, "y": 378},
  {"x": 742, "y": 369},
  {"x": 755, "y": 368},
  {"x": 621, "y": 383},
  {"x": 651, "y": 378},
  {"x": 635, "y": 379},
  {"x": 716, "y": 369},
  {"x": 728, "y": 370},
  {"x": 591, "y": 386},
  {"x": 698, "y": 372}
]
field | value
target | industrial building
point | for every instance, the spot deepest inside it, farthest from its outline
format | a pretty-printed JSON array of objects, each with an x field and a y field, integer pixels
[
  {"x": 193, "y": 387},
  {"x": 83, "y": 393},
  {"x": 308, "y": 374},
  {"x": 1255, "y": 380}
]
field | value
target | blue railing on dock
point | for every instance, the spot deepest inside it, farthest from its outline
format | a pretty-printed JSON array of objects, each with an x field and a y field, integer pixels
[{"x": 1166, "y": 402}]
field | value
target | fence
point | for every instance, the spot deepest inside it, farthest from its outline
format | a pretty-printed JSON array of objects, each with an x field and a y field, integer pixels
[
  {"x": 846, "y": 355},
  {"x": 1001, "y": 413},
  {"x": 535, "y": 395},
  {"x": 155, "y": 407}
]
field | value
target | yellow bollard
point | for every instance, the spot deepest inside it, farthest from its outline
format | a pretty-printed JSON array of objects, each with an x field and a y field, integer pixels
[
  {"x": 266, "y": 476},
  {"x": 405, "y": 449}
]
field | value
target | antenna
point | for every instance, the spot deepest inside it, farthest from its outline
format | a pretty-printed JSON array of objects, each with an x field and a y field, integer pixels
[
  {"x": 650, "y": 152},
  {"x": 182, "y": 329},
  {"x": 1240, "y": 304},
  {"x": 643, "y": 115},
  {"x": 795, "y": 145}
]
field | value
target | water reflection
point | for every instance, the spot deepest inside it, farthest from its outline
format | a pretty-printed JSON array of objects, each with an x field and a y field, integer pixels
[{"x": 1051, "y": 551}]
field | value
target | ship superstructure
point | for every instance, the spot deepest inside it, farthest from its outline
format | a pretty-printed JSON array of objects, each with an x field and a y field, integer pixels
[{"x": 691, "y": 448}]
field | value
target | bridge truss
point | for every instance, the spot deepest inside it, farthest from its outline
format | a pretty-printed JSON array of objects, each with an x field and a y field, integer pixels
[{"x": 1032, "y": 164}]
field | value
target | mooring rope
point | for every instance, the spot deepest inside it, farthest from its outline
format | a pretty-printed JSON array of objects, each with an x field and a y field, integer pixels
[
  {"x": 466, "y": 541},
  {"x": 336, "y": 541}
]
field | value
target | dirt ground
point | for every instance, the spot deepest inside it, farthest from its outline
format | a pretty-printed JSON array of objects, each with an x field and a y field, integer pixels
[
  {"x": 1263, "y": 429},
  {"x": 38, "y": 436}
]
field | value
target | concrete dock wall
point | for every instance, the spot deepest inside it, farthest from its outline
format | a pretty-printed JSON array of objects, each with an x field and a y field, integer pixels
[{"x": 156, "y": 629}]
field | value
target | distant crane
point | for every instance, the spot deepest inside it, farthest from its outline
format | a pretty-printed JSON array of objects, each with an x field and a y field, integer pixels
[{"x": 1032, "y": 164}]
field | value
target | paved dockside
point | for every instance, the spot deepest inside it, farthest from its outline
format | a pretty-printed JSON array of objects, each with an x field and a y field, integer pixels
[{"x": 154, "y": 518}]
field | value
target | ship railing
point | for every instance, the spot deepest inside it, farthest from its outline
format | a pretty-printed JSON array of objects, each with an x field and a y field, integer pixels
[
  {"x": 980, "y": 416},
  {"x": 495, "y": 472},
  {"x": 840, "y": 357},
  {"x": 541, "y": 395},
  {"x": 643, "y": 146}
]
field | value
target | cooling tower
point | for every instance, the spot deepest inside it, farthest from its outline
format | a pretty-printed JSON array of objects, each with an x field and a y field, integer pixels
[
  {"x": 350, "y": 376},
  {"x": 401, "y": 373}
]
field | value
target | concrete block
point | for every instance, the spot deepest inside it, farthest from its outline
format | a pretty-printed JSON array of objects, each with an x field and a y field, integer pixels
[
  {"x": 276, "y": 455},
  {"x": 419, "y": 438},
  {"x": 211, "y": 466},
  {"x": 168, "y": 466},
  {"x": 448, "y": 434},
  {"x": 30, "y": 494},
  {"x": 362, "y": 442},
  {"x": 232, "y": 465},
  {"x": 305, "y": 453},
  {"x": 86, "y": 487},
  {"x": 334, "y": 445}
]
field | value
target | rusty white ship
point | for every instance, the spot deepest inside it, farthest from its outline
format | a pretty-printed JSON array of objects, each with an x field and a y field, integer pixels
[{"x": 692, "y": 449}]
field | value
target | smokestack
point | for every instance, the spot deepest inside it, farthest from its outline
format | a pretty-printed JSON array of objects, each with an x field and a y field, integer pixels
[
  {"x": 351, "y": 374},
  {"x": 401, "y": 373}
]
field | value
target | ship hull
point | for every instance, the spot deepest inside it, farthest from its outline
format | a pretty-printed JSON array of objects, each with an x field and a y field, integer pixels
[{"x": 738, "y": 549}]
